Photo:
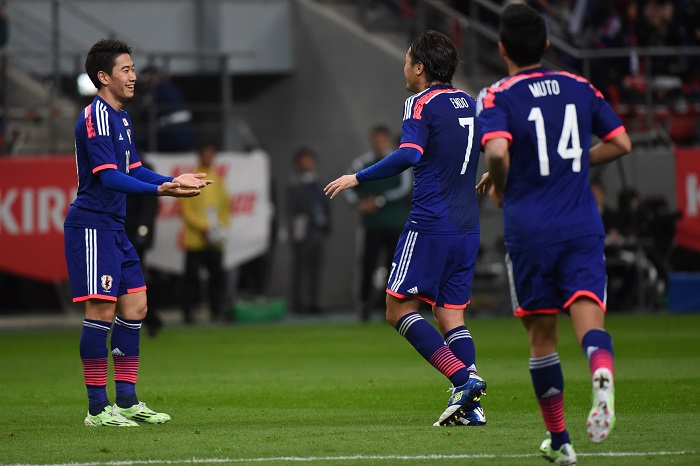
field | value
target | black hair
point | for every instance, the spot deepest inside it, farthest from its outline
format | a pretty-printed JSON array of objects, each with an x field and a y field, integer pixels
[
  {"x": 381, "y": 129},
  {"x": 102, "y": 57},
  {"x": 438, "y": 55},
  {"x": 523, "y": 34},
  {"x": 302, "y": 152},
  {"x": 207, "y": 145}
]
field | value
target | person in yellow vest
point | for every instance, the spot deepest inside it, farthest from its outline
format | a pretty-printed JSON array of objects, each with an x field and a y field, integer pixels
[{"x": 206, "y": 220}]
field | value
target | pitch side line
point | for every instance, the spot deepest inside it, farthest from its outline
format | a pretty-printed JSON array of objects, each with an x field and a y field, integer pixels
[{"x": 308, "y": 459}]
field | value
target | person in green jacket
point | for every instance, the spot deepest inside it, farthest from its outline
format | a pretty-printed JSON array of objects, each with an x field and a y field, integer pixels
[{"x": 383, "y": 206}]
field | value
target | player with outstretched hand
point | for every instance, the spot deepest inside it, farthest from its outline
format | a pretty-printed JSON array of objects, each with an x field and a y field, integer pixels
[
  {"x": 103, "y": 267},
  {"x": 436, "y": 253},
  {"x": 537, "y": 125}
]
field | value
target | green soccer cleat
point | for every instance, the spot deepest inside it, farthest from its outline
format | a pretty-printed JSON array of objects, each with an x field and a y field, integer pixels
[
  {"x": 565, "y": 455},
  {"x": 109, "y": 417},
  {"x": 142, "y": 413},
  {"x": 601, "y": 419}
]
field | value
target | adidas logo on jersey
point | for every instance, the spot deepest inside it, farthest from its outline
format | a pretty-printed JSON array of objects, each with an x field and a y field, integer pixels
[
  {"x": 121, "y": 138},
  {"x": 413, "y": 290},
  {"x": 117, "y": 352}
]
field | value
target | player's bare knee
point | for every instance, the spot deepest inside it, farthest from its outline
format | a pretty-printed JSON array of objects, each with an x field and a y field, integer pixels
[
  {"x": 133, "y": 306},
  {"x": 543, "y": 334},
  {"x": 133, "y": 313},
  {"x": 394, "y": 315},
  {"x": 101, "y": 310}
]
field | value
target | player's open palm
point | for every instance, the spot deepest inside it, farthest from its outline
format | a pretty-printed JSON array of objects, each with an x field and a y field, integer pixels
[
  {"x": 173, "y": 189},
  {"x": 192, "y": 180},
  {"x": 338, "y": 185}
]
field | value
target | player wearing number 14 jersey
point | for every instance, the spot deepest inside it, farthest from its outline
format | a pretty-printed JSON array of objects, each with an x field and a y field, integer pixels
[
  {"x": 537, "y": 125},
  {"x": 435, "y": 257}
]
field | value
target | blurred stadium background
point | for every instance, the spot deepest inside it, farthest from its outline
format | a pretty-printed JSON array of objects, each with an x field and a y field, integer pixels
[{"x": 262, "y": 78}]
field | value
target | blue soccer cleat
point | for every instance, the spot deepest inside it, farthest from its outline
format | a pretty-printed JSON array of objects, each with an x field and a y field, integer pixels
[
  {"x": 470, "y": 415},
  {"x": 463, "y": 405}
]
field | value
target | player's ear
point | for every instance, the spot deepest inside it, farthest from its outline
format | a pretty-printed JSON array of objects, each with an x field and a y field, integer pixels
[
  {"x": 502, "y": 49},
  {"x": 419, "y": 68},
  {"x": 102, "y": 77},
  {"x": 546, "y": 44}
]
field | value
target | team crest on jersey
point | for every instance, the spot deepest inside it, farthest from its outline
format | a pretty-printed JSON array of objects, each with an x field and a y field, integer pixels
[
  {"x": 106, "y": 282},
  {"x": 128, "y": 133},
  {"x": 126, "y": 122}
]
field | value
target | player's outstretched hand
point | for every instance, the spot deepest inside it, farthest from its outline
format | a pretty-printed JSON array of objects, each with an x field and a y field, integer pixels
[
  {"x": 485, "y": 184},
  {"x": 192, "y": 180},
  {"x": 340, "y": 184},
  {"x": 175, "y": 190}
]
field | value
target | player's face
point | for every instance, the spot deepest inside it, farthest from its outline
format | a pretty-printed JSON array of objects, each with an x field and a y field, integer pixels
[
  {"x": 123, "y": 78},
  {"x": 410, "y": 72},
  {"x": 381, "y": 143},
  {"x": 206, "y": 156},
  {"x": 307, "y": 163}
]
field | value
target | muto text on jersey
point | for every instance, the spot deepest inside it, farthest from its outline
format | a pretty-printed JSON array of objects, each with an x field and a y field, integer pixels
[{"x": 544, "y": 88}]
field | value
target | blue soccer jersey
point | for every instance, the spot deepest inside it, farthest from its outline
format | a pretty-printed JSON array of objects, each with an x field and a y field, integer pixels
[
  {"x": 103, "y": 140},
  {"x": 440, "y": 122},
  {"x": 548, "y": 117}
]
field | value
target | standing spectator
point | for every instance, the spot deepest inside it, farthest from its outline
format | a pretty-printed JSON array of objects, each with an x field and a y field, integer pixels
[
  {"x": 308, "y": 217},
  {"x": 140, "y": 224},
  {"x": 206, "y": 219},
  {"x": 383, "y": 205},
  {"x": 167, "y": 109}
]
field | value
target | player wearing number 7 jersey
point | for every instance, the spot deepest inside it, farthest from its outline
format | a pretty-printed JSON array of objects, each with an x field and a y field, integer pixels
[
  {"x": 435, "y": 257},
  {"x": 537, "y": 125}
]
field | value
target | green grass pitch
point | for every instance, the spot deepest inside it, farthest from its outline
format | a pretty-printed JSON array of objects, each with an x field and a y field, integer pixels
[{"x": 346, "y": 394}]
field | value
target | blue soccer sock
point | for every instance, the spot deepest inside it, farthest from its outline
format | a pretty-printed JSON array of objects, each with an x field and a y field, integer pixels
[
  {"x": 430, "y": 344},
  {"x": 93, "y": 352},
  {"x": 460, "y": 342},
  {"x": 598, "y": 346},
  {"x": 548, "y": 381},
  {"x": 125, "y": 353}
]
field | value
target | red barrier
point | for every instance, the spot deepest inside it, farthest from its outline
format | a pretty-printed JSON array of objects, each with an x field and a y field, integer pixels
[
  {"x": 688, "y": 197},
  {"x": 35, "y": 193}
]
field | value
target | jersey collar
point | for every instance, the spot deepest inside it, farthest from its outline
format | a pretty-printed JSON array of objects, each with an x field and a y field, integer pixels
[
  {"x": 109, "y": 107},
  {"x": 539, "y": 69}
]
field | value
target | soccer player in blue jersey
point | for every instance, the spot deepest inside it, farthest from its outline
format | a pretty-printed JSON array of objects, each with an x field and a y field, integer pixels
[
  {"x": 103, "y": 267},
  {"x": 435, "y": 257},
  {"x": 537, "y": 125}
]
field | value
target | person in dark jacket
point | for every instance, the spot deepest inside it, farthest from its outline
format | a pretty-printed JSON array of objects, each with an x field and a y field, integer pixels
[{"x": 308, "y": 222}]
